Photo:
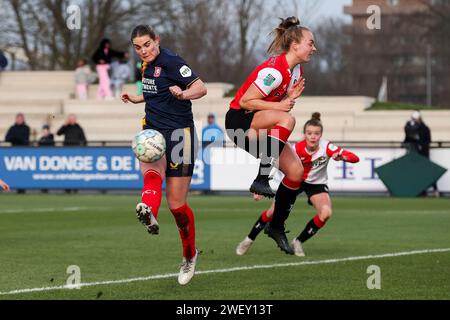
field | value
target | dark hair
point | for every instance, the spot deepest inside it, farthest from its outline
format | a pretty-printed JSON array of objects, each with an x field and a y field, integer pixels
[
  {"x": 104, "y": 42},
  {"x": 143, "y": 30},
  {"x": 288, "y": 30},
  {"x": 314, "y": 121}
]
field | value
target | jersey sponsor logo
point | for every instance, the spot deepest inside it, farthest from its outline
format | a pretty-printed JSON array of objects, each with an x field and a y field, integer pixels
[
  {"x": 332, "y": 147},
  {"x": 319, "y": 161},
  {"x": 185, "y": 71},
  {"x": 269, "y": 80},
  {"x": 157, "y": 72}
]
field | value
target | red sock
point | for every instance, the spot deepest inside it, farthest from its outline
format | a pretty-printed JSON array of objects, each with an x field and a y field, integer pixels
[
  {"x": 293, "y": 185},
  {"x": 265, "y": 218},
  {"x": 184, "y": 217},
  {"x": 152, "y": 191},
  {"x": 319, "y": 223},
  {"x": 280, "y": 133}
]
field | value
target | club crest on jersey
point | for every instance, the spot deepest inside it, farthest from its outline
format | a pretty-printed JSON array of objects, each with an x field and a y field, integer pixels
[
  {"x": 268, "y": 80},
  {"x": 157, "y": 72},
  {"x": 185, "y": 71}
]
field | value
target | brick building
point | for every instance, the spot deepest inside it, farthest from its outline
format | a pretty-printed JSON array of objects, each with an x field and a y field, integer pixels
[{"x": 398, "y": 50}]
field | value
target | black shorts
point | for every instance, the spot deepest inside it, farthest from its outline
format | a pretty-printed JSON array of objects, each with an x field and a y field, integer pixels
[
  {"x": 312, "y": 189},
  {"x": 181, "y": 150},
  {"x": 237, "y": 123}
]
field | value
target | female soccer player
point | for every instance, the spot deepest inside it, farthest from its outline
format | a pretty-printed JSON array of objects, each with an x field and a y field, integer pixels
[
  {"x": 168, "y": 86},
  {"x": 263, "y": 103},
  {"x": 315, "y": 153}
]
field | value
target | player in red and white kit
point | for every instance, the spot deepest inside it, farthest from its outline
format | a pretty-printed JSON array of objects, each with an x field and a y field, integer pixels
[
  {"x": 315, "y": 154},
  {"x": 259, "y": 121}
]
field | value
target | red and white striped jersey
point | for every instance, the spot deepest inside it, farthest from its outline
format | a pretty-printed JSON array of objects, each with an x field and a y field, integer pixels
[
  {"x": 272, "y": 78},
  {"x": 315, "y": 164}
]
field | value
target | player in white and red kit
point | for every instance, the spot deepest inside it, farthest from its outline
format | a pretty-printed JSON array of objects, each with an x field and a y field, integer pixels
[
  {"x": 259, "y": 121},
  {"x": 315, "y": 154}
]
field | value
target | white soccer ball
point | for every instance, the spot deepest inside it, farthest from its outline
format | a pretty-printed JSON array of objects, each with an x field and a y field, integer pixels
[{"x": 149, "y": 145}]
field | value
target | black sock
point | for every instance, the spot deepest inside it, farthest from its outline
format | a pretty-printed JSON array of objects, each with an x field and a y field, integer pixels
[
  {"x": 284, "y": 201},
  {"x": 270, "y": 154},
  {"x": 310, "y": 230},
  {"x": 257, "y": 228}
]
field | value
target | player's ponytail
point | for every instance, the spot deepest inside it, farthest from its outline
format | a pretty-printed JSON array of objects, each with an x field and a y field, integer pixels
[
  {"x": 314, "y": 122},
  {"x": 143, "y": 30},
  {"x": 288, "y": 30}
]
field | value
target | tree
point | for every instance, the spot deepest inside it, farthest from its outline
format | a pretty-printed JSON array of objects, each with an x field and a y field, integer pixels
[{"x": 41, "y": 28}]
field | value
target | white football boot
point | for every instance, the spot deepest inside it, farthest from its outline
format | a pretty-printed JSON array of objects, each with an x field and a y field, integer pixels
[
  {"x": 244, "y": 246},
  {"x": 187, "y": 269},
  {"x": 145, "y": 216},
  {"x": 298, "y": 248}
]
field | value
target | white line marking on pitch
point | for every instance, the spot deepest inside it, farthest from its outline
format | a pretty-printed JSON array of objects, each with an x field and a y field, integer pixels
[
  {"x": 244, "y": 268},
  {"x": 45, "y": 210}
]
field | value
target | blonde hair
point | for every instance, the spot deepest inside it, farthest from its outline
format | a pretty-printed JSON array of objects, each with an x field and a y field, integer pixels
[{"x": 288, "y": 31}]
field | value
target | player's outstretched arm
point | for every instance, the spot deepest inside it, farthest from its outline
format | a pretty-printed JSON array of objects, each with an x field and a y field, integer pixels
[
  {"x": 132, "y": 98},
  {"x": 347, "y": 156}
]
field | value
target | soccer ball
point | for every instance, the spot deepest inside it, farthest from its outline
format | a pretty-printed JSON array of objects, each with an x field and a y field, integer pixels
[{"x": 149, "y": 145}]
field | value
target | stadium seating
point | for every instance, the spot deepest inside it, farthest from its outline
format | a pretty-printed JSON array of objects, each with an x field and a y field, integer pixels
[{"x": 47, "y": 97}]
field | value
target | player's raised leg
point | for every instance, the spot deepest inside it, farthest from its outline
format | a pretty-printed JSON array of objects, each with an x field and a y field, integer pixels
[
  {"x": 281, "y": 125},
  {"x": 176, "y": 192},
  {"x": 147, "y": 210}
]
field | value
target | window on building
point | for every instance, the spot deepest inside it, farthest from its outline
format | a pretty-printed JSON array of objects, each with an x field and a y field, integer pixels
[{"x": 393, "y": 2}]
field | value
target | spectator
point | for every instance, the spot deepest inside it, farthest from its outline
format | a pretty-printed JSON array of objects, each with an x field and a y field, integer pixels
[
  {"x": 423, "y": 144},
  {"x": 47, "y": 139},
  {"x": 3, "y": 61},
  {"x": 73, "y": 133},
  {"x": 424, "y": 136},
  {"x": 120, "y": 74},
  {"x": 212, "y": 133},
  {"x": 4, "y": 186},
  {"x": 412, "y": 133},
  {"x": 83, "y": 77},
  {"x": 19, "y": 133},
  {"x": 103, "y": 58},
  {"x": 418, "y": 139}
]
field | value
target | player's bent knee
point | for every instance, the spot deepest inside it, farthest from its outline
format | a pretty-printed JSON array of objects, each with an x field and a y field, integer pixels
[
  {"x": 288, "y": 121},
  {"x": 325, "y": 213},
  {"x": 294, "y": 173}
]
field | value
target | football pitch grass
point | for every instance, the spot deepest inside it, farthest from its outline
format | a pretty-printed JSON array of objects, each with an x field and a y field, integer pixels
[{"x": 42, "y": 235}]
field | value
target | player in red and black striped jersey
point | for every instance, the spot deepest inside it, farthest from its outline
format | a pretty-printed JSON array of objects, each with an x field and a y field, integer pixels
[
  {"x": 259, "y": 121},
  {"x": 315, "y": 154}
]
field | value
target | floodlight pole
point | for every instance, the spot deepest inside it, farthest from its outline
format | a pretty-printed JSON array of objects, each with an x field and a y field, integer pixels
[{"x": 428, "y": 74}]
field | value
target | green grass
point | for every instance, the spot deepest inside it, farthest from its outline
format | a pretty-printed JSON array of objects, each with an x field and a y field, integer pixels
[
  {"x": 101, "y": 235},
  {"x": 402, "y": 106}
]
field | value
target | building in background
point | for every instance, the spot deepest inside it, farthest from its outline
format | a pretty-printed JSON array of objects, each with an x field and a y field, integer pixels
[{"x": 411, "y": 49}]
